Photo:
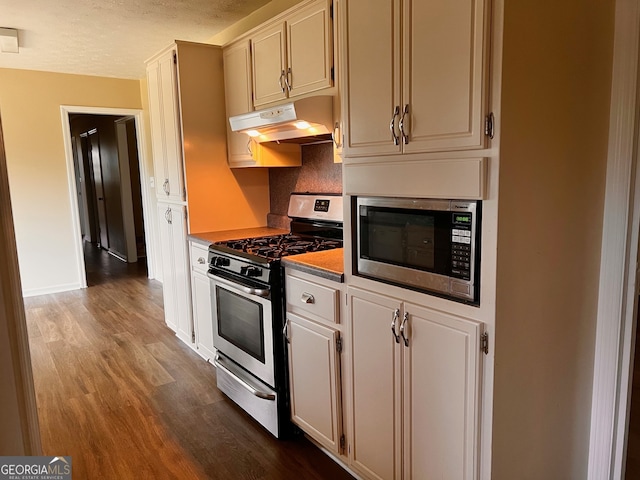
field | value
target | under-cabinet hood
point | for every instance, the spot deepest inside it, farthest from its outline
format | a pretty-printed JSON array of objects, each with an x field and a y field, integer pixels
[{"x": 309, "y": 117}]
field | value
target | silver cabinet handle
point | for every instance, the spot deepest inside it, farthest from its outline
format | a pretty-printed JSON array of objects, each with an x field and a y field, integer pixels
[
  {"x": 403, "y": 326},
  {"x": 405, "y": 136},
  {"x": 280, "y": 81},
  {"x": 217, "y": 361},
  {"x": 396, "y": 314},
  {"x": 249, "y": 148},
  {"x": 169, "y": 216},
  {"x": 334, "y": 136},
  {"x": 392, "y": 125},
  {"x": 201, "y": 261},
  {"x": 166, "y": 214},
  {"x": 307, "y": 298},
  {"x": 287, "y": 82},
  {"x": 285, "y": 331},
  {"x": 165, "y": 186}
]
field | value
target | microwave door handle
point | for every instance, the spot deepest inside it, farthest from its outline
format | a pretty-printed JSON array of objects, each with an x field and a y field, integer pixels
[
  {"x": 396, "y": 315},
  {"x": 260, "y": 292}
]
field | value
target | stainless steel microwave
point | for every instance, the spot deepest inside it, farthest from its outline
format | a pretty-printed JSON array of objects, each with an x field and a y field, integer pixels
[{"x": 427, "y": 245}]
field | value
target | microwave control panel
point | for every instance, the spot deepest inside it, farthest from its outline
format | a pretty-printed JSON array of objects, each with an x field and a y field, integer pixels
[{"x": 461, "y": 246}]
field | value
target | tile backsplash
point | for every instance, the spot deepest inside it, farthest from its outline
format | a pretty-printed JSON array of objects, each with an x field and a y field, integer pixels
[{"x": 318, "y": 174}]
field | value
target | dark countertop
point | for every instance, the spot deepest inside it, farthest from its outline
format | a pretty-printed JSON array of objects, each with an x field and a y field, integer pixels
[
  {"x": 327, "y": 264},
  {"x": 207, "y": 238}
]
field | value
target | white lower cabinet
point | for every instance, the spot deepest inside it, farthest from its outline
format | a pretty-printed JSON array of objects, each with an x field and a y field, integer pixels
[
  {"x": 201, "y": 301},
  {"x": 176, "y": 286},
  {"x": 314, "y": 345},
  {"x": 415, "y": 383}
]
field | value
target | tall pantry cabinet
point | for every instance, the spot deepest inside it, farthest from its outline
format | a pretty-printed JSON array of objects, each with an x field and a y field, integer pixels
[
  {"x": 196, "y": 190},
  {"x": 168, "y": 163}
]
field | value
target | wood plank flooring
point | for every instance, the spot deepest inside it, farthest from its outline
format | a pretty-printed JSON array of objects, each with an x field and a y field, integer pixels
[{"x": 125, "y": 398}]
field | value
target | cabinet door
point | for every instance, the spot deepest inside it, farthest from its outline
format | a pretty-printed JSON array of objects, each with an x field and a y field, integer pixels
[
  {"x": 157, "y": 126},
  {"x": 164, "y": 113},
  {"x": 443, "y": 74},
  {"x": 237, "y": 87},
  {"x": 168, "y": 277},
  {"x": 268, "y": 62},
  {"x": 314, "y": 380},
  {"x": 181, "y": 272},
  {"x": 372, "y": 76},
  {"x": 202, "y": 315},
  {"x": 176, "y": 282},
  {"x": 171, "y": 127},
  {"x": 309, "y": 49},
  {"x": 441, "y": 394},
  {"x": 375, "y": 408}
]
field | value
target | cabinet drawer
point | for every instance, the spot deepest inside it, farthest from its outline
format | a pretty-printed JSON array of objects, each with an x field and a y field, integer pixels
[
  {"x": 318, "y": 300},
  {"x": 198, "y": 260}
]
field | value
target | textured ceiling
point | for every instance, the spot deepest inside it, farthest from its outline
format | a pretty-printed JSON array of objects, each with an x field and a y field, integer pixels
[{"x": 110, "y": 38}]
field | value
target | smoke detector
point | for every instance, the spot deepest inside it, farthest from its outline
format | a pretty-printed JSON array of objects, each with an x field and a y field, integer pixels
[{"x": 8, "y": 40}]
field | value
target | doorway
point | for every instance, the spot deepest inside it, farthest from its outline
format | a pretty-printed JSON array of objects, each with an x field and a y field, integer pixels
[
  {"x": 110, "y": 199},
  {"x": 106, "y": 166}
]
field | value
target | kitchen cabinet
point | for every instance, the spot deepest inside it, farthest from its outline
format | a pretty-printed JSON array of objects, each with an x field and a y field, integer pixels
[
  {"x": 294, "y": 55},
  {"x": 175, "y": 271},
  {"x": 164, "y": 116},
  {"x": 416, "y": 76},
  {"x": 314, "y": 347},
  {"x": 201, "y": 300},
  {"x": 237, "y": 86},
  {"x": 415, "y": 390}
]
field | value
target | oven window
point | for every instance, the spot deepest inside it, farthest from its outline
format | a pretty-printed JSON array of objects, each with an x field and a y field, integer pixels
[{"x": 240, "y": 322}]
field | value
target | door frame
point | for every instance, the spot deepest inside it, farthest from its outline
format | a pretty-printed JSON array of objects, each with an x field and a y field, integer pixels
[
  {"x": 617, "y": 294},
  {"x": 65, "y": 112}
]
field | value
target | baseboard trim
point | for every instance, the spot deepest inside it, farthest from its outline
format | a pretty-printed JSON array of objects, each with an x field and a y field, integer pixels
[{"x": 33, "y": 292}]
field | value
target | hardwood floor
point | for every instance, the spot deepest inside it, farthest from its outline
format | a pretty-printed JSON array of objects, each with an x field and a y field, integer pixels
[{"x": 125, "y": 398}]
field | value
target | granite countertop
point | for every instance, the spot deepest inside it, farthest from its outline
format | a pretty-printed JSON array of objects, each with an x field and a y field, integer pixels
[
  {"x": 326, "y": 264},
  {"x": 207, "y": 238}
]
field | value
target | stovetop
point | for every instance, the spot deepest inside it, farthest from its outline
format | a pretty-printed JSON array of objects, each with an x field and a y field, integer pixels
[{"x": 274, "y": 247}]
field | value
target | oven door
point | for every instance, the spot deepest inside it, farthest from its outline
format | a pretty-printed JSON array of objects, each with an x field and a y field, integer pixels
[{"x": 243, "y": 324}]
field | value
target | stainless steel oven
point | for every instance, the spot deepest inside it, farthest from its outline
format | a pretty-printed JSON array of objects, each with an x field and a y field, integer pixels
[
  {"x": 244, "y": 322},
  {"x": 247, "y": 296},
  {"x": 429, "y": 245}
]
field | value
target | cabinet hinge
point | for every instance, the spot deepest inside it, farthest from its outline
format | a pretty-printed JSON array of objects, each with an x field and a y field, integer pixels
[
  {"x": 343, "y": 441},
  {"x": 333, "y": 74},
  {"x": 175, "y": 58},
  {"x": 339, "y": 345},
  {"x": 193, "y": 336},
  {"x": 484, "y": 343},
  {"x": 489, "y": 125}
]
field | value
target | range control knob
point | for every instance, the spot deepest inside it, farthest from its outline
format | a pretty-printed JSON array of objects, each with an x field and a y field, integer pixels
[
  {"x": 221, "y": 262},
  {"x": 251, "y": 271}
]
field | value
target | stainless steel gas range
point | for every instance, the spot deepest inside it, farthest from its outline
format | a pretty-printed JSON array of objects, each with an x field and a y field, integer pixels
[{"x": 247, "y": 292}]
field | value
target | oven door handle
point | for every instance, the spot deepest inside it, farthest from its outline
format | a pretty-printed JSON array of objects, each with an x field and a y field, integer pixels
[
  {"x": 217, "y": 361},
  {"x": 260, "y": 292}
]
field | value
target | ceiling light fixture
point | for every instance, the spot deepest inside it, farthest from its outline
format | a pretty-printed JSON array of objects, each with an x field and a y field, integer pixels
[{"x": 8, "y": 40}]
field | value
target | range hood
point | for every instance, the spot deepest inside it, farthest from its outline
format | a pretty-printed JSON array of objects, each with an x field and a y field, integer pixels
[{"x": 309, "y": 118}]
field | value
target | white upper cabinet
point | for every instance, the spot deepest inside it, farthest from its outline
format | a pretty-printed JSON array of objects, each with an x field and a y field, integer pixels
[
  {"x": 237, "y": 88},
  {"x": 164, "y": 113},
  {"x": 415, "y": 75},
  {"x": 293, "y": 56}
]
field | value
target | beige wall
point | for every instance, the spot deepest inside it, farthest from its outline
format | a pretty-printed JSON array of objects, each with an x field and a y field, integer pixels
[
  {"x": 553, "y": 152},
  {"x": 261, "y": 15},
  {"x": 30, "y": 107}
]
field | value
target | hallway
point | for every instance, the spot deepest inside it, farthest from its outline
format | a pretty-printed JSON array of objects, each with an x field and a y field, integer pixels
[{"x": 125, "y": 398}]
